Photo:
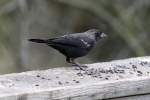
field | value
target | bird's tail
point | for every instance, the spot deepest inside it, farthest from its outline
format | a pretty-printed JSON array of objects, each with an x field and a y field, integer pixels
[{"x": 38, "y": 40}]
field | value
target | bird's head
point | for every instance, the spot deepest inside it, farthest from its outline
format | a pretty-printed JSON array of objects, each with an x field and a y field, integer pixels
[{"x": 98, "y": 34}]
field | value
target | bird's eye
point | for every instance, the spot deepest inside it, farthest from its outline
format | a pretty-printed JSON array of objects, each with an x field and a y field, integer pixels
[{"x": 98, "y": 34}]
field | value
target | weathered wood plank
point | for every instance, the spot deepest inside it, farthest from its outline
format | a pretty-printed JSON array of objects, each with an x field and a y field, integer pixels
[
  {"x": 100, "y": 81},
  {"x": 139, "y": 97}
]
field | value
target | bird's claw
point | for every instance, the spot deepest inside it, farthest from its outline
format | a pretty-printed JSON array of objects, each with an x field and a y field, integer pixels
[
  {"x": 80, "y": 67},
  {"x": 77, "y": 68}
]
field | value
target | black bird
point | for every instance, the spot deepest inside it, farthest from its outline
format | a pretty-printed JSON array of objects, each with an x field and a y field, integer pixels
[{"x": 74, "y": 45}]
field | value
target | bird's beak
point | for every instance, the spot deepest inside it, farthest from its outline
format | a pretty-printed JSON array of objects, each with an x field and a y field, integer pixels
[{"x": 103, "y": 35}]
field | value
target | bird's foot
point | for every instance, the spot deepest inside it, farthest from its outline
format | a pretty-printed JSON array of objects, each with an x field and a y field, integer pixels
[
  {"x": 80, "y": 67},
  {"x": 76, "y": 67}
]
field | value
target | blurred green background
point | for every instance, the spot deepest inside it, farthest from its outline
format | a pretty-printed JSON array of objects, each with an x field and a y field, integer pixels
[{"x": 127, "y": 22}]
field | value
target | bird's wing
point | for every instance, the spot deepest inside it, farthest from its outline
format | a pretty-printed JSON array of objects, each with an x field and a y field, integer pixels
[{"x": 68, "y": 40}]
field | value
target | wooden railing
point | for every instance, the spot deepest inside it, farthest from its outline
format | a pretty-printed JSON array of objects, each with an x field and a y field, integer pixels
[{"x": 127, "y": 79}]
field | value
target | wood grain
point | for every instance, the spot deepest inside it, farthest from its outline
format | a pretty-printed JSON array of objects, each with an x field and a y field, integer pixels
[{"x": 114, "y": 80}]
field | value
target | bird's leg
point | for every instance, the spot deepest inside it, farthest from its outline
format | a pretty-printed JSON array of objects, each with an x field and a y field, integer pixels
[
  {"x": 74, "y": 63},
  {"x": 68, "y": 60},
  {"x": 80, "y": 66}
]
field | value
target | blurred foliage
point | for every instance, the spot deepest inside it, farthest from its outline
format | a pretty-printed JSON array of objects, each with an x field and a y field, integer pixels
[{"x": 125, "y": 21}]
